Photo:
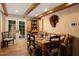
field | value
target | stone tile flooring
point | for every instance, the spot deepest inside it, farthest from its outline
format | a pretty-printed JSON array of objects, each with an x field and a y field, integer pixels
[{"x": 18, "y": 49}]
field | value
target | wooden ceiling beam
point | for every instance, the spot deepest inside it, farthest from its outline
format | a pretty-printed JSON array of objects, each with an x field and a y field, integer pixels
[
  {"x": 31, "y": 8},
  {"x": 56, "y": 9},
  {"x": 4, "y": 9}
]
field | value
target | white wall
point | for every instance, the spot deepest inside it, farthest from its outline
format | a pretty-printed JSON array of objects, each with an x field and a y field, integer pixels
[
  {"x": 2, "y": 19},
  {"x": 67, "y": 16},
  {"x": 40, "y": 25}
]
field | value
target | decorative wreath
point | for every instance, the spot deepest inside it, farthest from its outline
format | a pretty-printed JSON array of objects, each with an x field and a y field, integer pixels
[{"x": 54, "y": 19}]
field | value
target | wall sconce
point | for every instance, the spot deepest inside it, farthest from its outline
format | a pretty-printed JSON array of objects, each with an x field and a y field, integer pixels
[{"x": 74, "y": 23}]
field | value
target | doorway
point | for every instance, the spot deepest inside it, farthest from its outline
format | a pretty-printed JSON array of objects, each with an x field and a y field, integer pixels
[{"x": 17, "y": 28}]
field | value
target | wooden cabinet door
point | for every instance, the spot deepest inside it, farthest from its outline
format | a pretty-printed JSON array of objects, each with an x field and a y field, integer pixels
[{"x": 29, "y": 26}]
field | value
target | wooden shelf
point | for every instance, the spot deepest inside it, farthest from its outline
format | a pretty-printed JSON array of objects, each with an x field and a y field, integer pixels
[{"x": 34, "y": 26}]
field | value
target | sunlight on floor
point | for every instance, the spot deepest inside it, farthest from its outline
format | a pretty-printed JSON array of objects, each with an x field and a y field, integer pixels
[{"x": 18, "y": 49}]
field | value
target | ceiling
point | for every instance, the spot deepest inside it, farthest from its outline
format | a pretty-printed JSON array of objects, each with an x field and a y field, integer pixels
[
  {"x": 21, "y": 8},
  {"x": 42, "y": 8},
  {"x": 1, "y": 9},
  {"x": 17, "y": 8}
]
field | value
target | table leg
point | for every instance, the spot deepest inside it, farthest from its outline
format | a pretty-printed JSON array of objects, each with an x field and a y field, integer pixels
[
  {"x": 43, "y": 50},
  {"x": 13, "y": 42},
  {"x": 7, "y": 43},
  {"x": 3, "y": 44}
]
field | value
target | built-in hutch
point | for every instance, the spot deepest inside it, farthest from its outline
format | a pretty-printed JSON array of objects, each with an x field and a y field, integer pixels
[{"x": 33, "y": 26}]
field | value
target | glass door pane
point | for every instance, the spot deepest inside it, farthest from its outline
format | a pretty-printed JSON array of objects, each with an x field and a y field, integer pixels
[
  {"x": 12, "y": 27},
  {"x": 22, "y": 29}
]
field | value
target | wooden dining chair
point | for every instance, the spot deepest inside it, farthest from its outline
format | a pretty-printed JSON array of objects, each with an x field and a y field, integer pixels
[
  {"x": 66, "y": 46},
  {"x": 33, "y": 47},
  {"x": 54, "y": 46},
  {"x": 6, "y": 38},
  {"x": 28, "y": 38}
]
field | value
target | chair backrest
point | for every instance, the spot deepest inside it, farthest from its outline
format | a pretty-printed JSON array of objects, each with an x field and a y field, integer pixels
[
  {"x": 28, "y": 37},
  {"x": 11, "y": 35},
  {"x": 66, "y": 39},
  {"x": 5, "y": 35},
  {"x": 32, "y": 40},
  {"x": 52, "y": 44}
]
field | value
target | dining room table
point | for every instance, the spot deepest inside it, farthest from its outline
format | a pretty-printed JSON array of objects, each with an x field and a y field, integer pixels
[{"x": 43, "y": 43}]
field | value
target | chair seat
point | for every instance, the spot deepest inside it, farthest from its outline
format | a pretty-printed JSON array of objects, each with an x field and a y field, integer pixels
[
  {"x": 8, "y": 39},
  {"x": 63, "y": 44},
  {"x": 27, "y": 43},
  {"x": 37, "y": 50},
  {"x": 53, "y": 51},
  {"x": 31, "y": 46},
  {"x": 36, "y": 46}
]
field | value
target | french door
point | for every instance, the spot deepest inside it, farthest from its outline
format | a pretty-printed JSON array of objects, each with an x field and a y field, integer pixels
[
  {"x": 22, "y": 29},
  {"x": 17, "y": 28},
  {"x": 12, "y": 28}
]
